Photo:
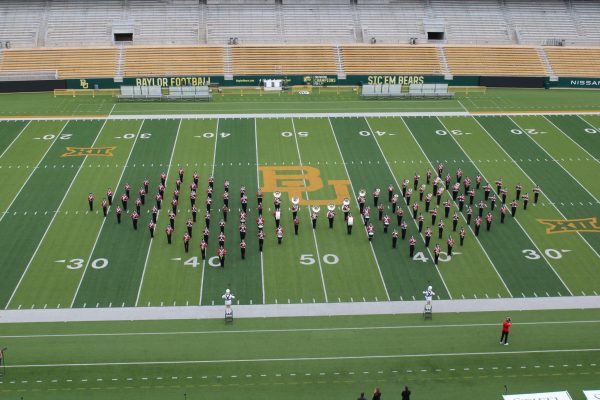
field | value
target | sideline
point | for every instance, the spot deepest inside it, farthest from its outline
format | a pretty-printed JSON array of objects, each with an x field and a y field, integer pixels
[
  {"x": 297, "y": 310},
  {"x": 300, "y": 115}
]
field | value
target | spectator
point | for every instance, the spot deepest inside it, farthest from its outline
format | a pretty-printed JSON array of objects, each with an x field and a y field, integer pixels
[
  {"x": 406, "y": 393},
  {"x": 376, "y": 394},
  {"x": 362, "y": 396}
]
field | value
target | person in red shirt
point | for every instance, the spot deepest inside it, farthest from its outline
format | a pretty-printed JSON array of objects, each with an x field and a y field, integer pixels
[{"x": 505, "y": 330}]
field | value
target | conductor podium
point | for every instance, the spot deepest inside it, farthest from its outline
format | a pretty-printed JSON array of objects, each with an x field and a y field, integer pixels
[
  {"x": 428, "y": 311},
  {"x": 229, "y": 315}
]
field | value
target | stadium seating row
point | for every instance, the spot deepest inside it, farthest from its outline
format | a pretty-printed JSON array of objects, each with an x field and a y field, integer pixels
[
  {"x": 61, "y": 23},
  {"x": 139, "y": 61}
]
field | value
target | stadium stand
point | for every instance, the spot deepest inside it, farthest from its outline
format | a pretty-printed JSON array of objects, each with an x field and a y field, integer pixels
[
  {"x": 70, "y": 24},
  {"x": 538, "y": 22},
  {"x": 165, "y": 22},
  {"x": 247, "y": 23},
  {"x": 574, "y": 61},
  {"x": 382, "y": 59},
  {"x": 473, "y": 22},
  {"x": 586, "y": 14},
  {"x": 20, "y": 22},
  {"x": 494, "y": 60},
  {"x": 281, "y": 60},
  {"x": 173, "y": 60},
  {"x": 391, "y": 23},
  {"x": 67, "y": 62},
  {"x": 317, "y": 23}
]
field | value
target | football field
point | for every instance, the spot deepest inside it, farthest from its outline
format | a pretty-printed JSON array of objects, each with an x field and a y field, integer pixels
[{"x": 56, "y": 253}]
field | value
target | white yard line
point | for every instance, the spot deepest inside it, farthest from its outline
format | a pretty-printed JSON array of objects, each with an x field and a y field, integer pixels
[
  {"x": 212, "y": 173},
  {"x": 531, "y": 180},
  {"x": 297, "y": 359},
  {"x": 294, "y": 330},
  {"x": 112, "y": 109},
  {"x": 471, "y": 228},
  {"x": 408, "y": 205},
  {"x": 52, "y": 220},
  {"x": 354, "y": 199},
  {"x": 516, "y": 220},
  {"x": 15, "y": 139},
  {"x": 33, "y": 171},
  {"x": 137, "y": 299},
  {"x": 309, "y": 214},
  {"x": 87, "y": 263},
  {"x": 571, "y": 139},
  {"x": 262, "y": 266}
]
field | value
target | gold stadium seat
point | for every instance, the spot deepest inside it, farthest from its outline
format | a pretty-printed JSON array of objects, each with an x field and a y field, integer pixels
[
  {"x": 67, "y": 62},
  {"x": 494, "y": 60},
  {"x": 387, "y": 59},
  {"x": 173, "y": 60},
  {"x": 283, "y": 60},
  {"x": 574, "y": 61}
]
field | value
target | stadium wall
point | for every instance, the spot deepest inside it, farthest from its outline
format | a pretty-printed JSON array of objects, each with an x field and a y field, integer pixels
[{"x": 32, "y": 86}]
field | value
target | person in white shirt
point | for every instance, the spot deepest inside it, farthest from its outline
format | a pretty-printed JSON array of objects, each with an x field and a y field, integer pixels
[
  {"x": 429, "y": 293},
  {"x": 228, "y": 297}
]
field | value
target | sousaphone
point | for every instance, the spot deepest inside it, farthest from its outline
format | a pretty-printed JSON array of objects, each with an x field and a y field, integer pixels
[
  {"x": 295, "y": 200},
  {"x": 331, "y": 207},
  {"x": 316, "y": 209},
  {"x": 346, "y": 201},
  {"x": 276, "y": 195},
  {"x": 362, "y": 192}
]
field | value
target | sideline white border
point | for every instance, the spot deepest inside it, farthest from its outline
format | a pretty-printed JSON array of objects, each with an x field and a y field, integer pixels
[{"x": 297, "y": 310}]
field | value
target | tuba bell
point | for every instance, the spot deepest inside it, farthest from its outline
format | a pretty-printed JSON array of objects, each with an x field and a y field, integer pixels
[
  {"x": 316, "y": 209},
  {"x": 295, "y": 200},
  {"x": 276, "y": 195},
  {"x": 346, "y": 201},
  {"x": 362, "y": 192},
  {"x": 331, "y": 207}
]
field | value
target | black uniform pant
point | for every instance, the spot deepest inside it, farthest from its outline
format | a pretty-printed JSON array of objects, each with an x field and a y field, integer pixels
[
  {"x": 420, "y": 226},
  {"x": 504, "y": 337},
  {"x": 330, "y": 223},
  {"x": 412, "y": 251},
  {"x": 143, "y": 199},
  {"x": 433, "y": 218},
  {"x": 91, "y": 203},
  {"x": 151, "y": 233},
  {"x": 314, "y": 223},
  {"x": 449, "y": 250},
  {"x": 385, "y": 228},
  {"x": 476, "y": 230},
  {"x": 525, "y": 205},
  {"x": 124, "y": 203},
  {"x": 243, "y": 251},
  {"x": 349, "y": 228},
  {"x": 502, "y": 218},
  {"x": 279, "y": 239},
  {"x": 189, "y": 228},
  {"x": 427, "y": 240},
  {"x": 486, "y": 195},
  {"x": 461, "y": 205},
  {"x": 158, "y": 203},
  {"x": 403, "y": 234},
  {"x": 481, "y": 212},
  {"x": 440, "y": 233},
  {"x": 295, "y": 229},
  {"x": 118, "y": 218},
  {"x": 488, "y": 225},
  {"x": 109, "y": 198},
  {"x": 105, "y": 211},
  {"x": 446, "y": 212},
  {"x": 535, "y": 197},
  {"x": 260, "y": 244},
  {"x": 222, "y": 261},
  {"x": 427, "y": 204},
  {"x": 436, "y": 258},
  {"x": 492, "y": 205},
  {"x": 203, "y": 252},
  {"x": 399, "y": 218},
  {"x": 468, "y": 219},
  {"x": 172, "y": 223},
  {"x": 168, "y": 238},
  {"x": 186, "y": 246},
  {"x": 134, "y": 224},
  {"x": 394, "y": 241},
  {"x": 207, "y": 222},
  {"x": 206, "y": 238},
  {"x": 513, "y": 211},
  {"x": 454, "y": 224},
  {"x": 462, "y": 240}
]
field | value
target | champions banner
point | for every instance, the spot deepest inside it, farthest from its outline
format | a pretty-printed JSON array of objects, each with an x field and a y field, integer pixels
[{"x": 539, "y": 396}]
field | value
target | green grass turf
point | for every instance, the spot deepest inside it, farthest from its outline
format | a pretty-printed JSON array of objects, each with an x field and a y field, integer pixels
[
  {"x": 73, "y": 233},
  {"x": 338, "y": 357},
  {"x": 326, "y": 264},
  {"x": 125, "y": 248},
  {"x": 173, "y": 277},
  {"x": 494, "y": 100},
  {"x": 479, "y": 146},
  {"x": 406, "y": 158}
]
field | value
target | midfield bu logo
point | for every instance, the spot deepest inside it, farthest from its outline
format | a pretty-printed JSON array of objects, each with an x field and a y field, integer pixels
[{"x": 295, "y": 180}]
